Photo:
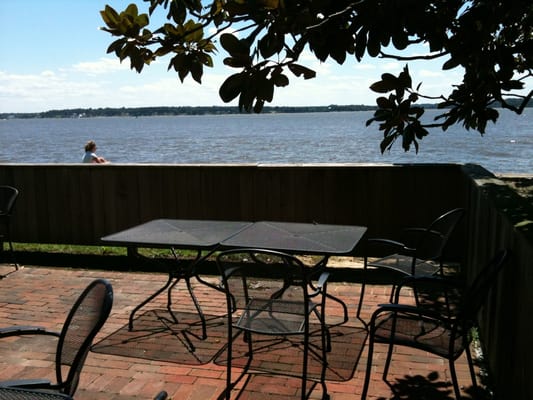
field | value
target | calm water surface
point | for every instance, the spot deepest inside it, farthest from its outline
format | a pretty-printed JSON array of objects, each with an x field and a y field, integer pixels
[{"x": 266, "y": 138}]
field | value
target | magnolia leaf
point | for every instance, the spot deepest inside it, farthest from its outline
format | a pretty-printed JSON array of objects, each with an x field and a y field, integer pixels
[
  {"x": 451, "y": 63},
  {"x": 386, "y": 143},
  {"x": 298, "y": 70},
  {"x": 265, "y": 90},
  {"x": 383, "y": 86},
  {"x": 233, "y": 45},
  {"x": 110, "y": 17},
  {"x": 280, "y": 80},
  {"x": 197, "y": 71},
  {"x": 384, "y": 102},
  {"x": 232, "y": 87}
]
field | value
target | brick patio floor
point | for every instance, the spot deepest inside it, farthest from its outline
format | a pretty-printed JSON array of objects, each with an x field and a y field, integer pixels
[{"x": 138, "y": 368}]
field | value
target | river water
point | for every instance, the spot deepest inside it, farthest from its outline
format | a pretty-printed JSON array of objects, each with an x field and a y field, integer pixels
[{"x": 337, "y": 137}]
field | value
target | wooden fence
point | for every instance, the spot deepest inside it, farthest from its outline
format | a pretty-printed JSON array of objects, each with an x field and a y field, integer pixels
[{"x": 78, "y": 204}]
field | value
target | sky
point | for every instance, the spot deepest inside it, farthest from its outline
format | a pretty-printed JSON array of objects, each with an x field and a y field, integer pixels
[{"x": 53, "y": 56}]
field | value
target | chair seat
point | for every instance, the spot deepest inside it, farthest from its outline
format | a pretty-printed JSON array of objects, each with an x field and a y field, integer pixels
[
  {"x": 274, "y": 316},
  {"x": 403, "y": 264},
  {"x": 423, "y": 333}
]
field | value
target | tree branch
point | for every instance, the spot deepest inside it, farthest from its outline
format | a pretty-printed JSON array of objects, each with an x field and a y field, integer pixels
[{"x": 412, "y": 58}]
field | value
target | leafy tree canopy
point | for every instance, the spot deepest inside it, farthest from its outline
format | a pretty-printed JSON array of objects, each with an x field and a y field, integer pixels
[{"x": 490, "y": 40}]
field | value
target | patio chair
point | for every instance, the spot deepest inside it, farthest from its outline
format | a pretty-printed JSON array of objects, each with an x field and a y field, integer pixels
[
  {"x": 161, "y": 395},
  {"x": 421, "y": 254},
  {"x": 280, "y": 306},
  {"x": 83, "y": 322},
  {"x": 8, "y": 198},
  {"x": 429, "y": 327}
]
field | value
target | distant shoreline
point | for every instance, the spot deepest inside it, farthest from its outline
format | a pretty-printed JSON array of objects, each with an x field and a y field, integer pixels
[
  {"x": 187, "y": 110},
  {"x": 171, "y": 111}
]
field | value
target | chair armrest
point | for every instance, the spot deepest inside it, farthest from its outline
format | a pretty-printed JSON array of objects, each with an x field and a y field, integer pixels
[
  {"x": 389, "y": 245},
  {"x": 322, "y": 279},
  {"x": 433, "y": 283},
  {"x": 436, "y": 281},
  {"x": 28, "y": 384},
  {"x": 386, "y": 242},
  {"x": 18, "y": 330},
  {"x": 406, "y": 309},
  {"x": 319, "y": 286}
]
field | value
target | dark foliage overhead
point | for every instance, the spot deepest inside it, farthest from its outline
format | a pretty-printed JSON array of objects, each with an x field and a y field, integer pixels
[{"x": 491, "y": 41}]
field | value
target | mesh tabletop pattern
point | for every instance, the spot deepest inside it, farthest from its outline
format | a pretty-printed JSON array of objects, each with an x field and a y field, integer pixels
[{"x": 301, "y": 238}]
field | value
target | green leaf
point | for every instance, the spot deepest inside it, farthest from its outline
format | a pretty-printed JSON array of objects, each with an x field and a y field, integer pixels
[
  {"x": 451, "y": 63},
  {"x": 360, "y": 45},
  {"x": 373, "y": 45},
  {"x": 233, "y": 45},
  {"x": 383, "y": 86},
  {"x": 232, "y": 87},
  {"x": 384, "y": 102},
  {"x": 197, "y": 71},
  {"x": 400, "y": 40},
  {"x": 258, "y": 107},
  {"x": 183, "y": 72},
  {"x": 110, "y": 16},
  {"x": 387, "y": 143},
  {"x": 265, "y": 90},
  {"x": 132, "y": 10},
  {"x": 280, "y": 80},
  {"x": 299, "y": 70},
  {"x": 270, "y": 44}
]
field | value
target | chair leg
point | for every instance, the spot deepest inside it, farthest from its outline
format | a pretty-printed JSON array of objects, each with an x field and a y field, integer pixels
[
  {"x": 362, "y": 294},
  {"x": 10, "y": 244},
  {"x": 387, "y": 361},
  {"x": 471, "y": 366},
  {"x": 305, "y": 360},
  {"x": 456, "y": 389},
  {"x": 368, "y": 366}
]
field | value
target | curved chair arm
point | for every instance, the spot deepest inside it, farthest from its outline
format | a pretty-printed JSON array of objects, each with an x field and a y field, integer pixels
[
  {"x": 396, "y": 245},
  {"x": 18, "y": 330},
  {"x": 21, "y": 330},
  {"x": 406, "y": 309},
  {"x": 30, "y": 384},
  {"x": 428, "y": 282},
  {"x": 319, "y": 286},
  {"x": 413, "y": 235}
]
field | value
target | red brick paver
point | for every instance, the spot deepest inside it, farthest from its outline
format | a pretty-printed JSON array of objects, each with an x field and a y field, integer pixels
[{"x": 43, "y": 296}]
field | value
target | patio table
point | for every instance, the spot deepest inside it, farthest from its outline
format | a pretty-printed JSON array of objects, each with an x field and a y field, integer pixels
[
  {"x": 206, "y": 237},
  {"x": 12, "y": 393},
  {"x": 201, "y": 235}
]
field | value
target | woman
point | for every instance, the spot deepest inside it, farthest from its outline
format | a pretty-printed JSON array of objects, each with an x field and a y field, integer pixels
[{"x": 90, "y": 155}]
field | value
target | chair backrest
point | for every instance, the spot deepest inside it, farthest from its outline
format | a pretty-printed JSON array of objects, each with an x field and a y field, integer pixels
[
  {"x": 8, "y": 197},
  {"x": 258, "y": 273},
  {"x": 437, "y": 234},
  {"x": 83, "y": 322}
]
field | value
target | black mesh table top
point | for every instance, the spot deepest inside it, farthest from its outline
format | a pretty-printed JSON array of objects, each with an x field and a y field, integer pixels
[
  {"x": 10, "y": 393},
  {"x": 188, "y": 234},
  {"x": 300, "y": 238}
]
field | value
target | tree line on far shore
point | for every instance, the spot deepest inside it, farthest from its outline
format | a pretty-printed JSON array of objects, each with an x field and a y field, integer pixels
[{"x": 186, "y": 110}]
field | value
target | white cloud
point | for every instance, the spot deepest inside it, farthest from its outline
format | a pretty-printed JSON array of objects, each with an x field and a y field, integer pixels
[{"x": 101, "y": 66}]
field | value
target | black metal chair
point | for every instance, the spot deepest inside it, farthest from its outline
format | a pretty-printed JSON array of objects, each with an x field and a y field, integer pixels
[
  {"x": 8, "y": 198},
  {"x": 431, "y": 326},
  {"x": 421, "y": 254},
  {"x": 279, "y": 305},
  {"x": 83, "y": 322},
  {"x": 161, "y": 395}
]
